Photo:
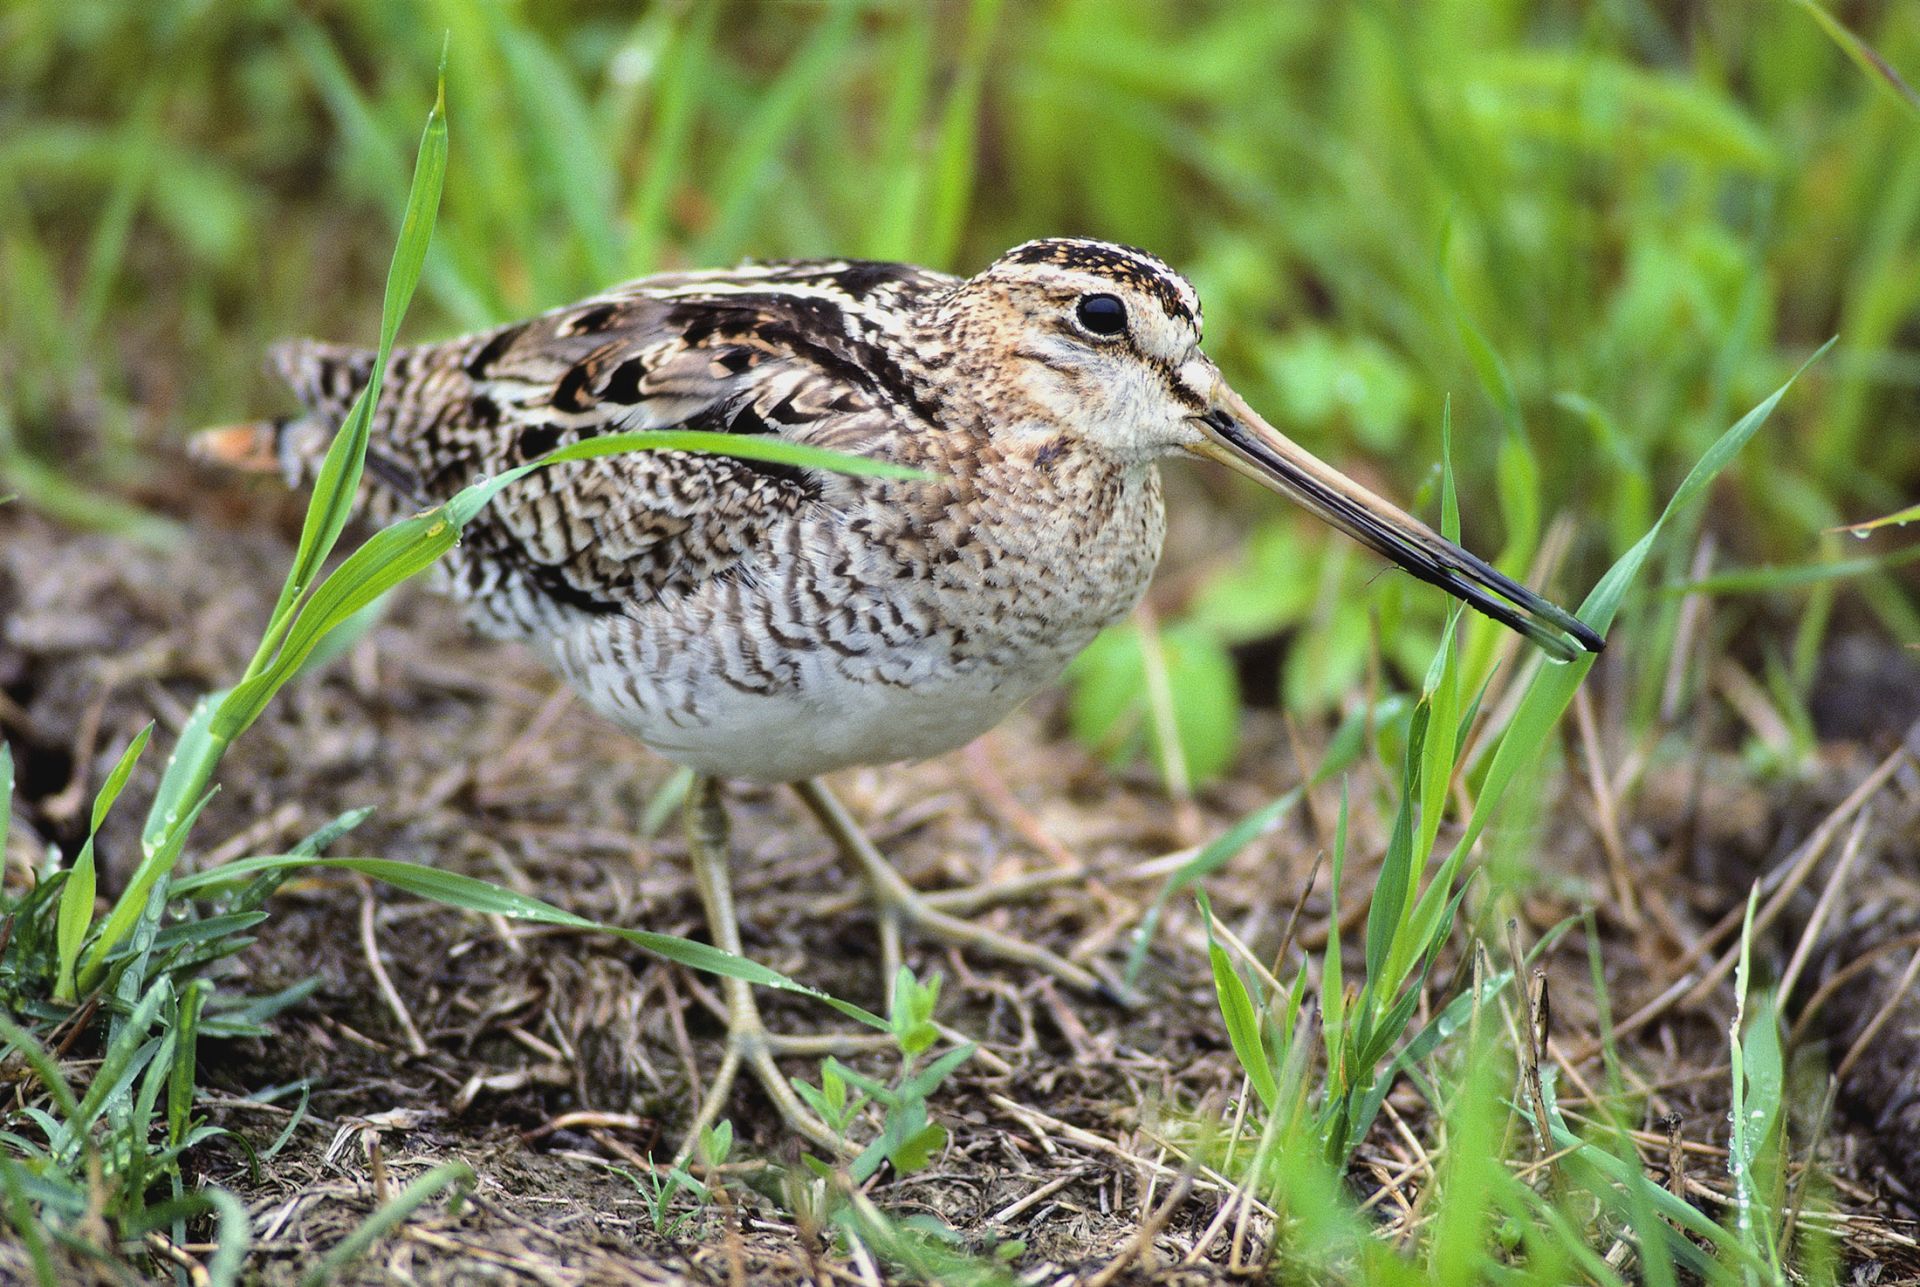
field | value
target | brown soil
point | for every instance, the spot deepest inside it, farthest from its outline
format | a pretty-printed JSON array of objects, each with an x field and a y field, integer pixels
[{"x": 552, "y": 1056}]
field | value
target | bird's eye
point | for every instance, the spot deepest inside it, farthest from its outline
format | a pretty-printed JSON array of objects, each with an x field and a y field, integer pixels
[{"x": 1102, "y": 314}]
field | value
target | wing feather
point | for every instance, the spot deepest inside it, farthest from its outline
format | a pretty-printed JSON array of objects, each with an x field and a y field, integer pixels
[{"x": 796, "y": 350}]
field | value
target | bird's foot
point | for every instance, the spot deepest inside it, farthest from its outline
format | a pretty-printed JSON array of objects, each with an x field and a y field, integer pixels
[
  {"x": 933, "y": 915},
  {"x": 752, "y": 1048}
]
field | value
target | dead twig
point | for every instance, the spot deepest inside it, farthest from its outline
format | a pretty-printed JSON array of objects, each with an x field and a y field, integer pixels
[
  {"x": 416, "y": 1044},
  {"x": 1606, "y": 813},
  {"x": 1784, "y": 879}
]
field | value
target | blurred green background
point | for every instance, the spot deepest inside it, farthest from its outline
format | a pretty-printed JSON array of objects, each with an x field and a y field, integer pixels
[{"x": 1603, "y": 228}]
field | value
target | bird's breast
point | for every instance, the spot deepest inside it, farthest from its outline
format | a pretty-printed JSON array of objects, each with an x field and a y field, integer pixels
[{"x": 874, "y": 636}]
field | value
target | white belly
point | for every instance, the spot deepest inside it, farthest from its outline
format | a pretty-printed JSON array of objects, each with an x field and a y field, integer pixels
[
  {"x": 855, "y": 645},
  {"x": 830, "y": 720}
]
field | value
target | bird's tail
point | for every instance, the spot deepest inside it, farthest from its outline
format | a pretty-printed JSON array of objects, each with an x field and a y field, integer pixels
[{"x": 326, "y": 378}]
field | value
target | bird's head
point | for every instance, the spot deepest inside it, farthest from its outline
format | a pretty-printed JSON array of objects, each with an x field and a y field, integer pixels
[{"x": 1105, "y": 339}]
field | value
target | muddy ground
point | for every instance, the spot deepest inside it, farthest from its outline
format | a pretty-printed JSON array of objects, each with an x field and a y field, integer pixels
[{"x": 545, "y": 1057}]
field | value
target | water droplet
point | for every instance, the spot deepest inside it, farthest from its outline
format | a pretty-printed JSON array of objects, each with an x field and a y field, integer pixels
[{"x": 1861, "y": 533}]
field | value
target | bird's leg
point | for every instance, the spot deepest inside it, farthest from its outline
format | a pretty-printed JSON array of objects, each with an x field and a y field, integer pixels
[
  {"x": 899, "y": 902},
  {"x": 749, "y": 1044}
]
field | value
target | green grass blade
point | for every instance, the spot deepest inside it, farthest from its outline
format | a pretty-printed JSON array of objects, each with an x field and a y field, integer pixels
[
  {"x": 232, "y": 1238},
  {"x": 674, "y": 111},
  {"x": 195, "y": 757},
  {"x": 755, "y": 150},
  {"x": 1333, "y": 994},
  {"x": 126, "y": 1055},
  {"x": 1440, "y": 745},
  {"x": 117, "y": 779},
  {"x": 956, "y": 153},
  {"x": 70, "y": 925},
  {"x": 180, "y": 1085},
  {"x": 1214, "y": 855},
  {"x": 1393, "y": 886},
  {"x": 1442, "y": 686},
  {"x": 457, "y": 1176},
  {"x": 742, "y": 446},
  {"x": 338, "y": 479},
  {"x": 459, "y": 281},
  {"x": 1865, "y": 56},
  {"x": 107, "y": 249},
  {"x": 6, "y": 797},
  {"x": 1342, "y": 750},
  {"x": 132, "y": 903},
  {"x": 474, "y": 895},
  {"x": 1607, "y": 1177},
  {"x": 406, "y": 548},
  {"x": 1756, "y": 1087},
  {"x": 1241, "y": 1016},
  {"x": 26, "y": 1223},
  {"x": 40, "y": 1061},
  {"x": 390, "y": 556},
  {"x": 1900, "y": 518},
  {"x": 1553, "y": 686},
  {"x": 568, "y": 146},
  {"x": 895, "y": 214},
  {"x": 1770, "y": 580},
  {"x": 76, "y": 897},
  {"x": 135, "y": 1121}
]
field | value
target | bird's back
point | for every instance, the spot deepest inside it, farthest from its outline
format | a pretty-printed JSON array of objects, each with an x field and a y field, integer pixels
[{"x": 800, "y": 350}]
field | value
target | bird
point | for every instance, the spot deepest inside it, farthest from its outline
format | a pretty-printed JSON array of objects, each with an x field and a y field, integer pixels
[{"x": 764, "y": 622}]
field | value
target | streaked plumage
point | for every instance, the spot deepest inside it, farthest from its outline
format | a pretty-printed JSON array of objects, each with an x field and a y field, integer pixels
[
  {"x": 761, "y": 621},
  {"x": 773, "y": 623},
  {"x": 752, "y": 620}
]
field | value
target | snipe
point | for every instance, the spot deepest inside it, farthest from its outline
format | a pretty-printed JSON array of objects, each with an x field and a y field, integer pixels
[{"x": 770, "y": 623}]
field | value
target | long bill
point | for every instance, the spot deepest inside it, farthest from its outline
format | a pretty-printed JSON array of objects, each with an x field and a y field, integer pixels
[{"x": 1238, "y": 438}]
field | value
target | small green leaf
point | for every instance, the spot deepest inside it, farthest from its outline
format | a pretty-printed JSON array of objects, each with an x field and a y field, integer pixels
[
  {"x": 918, "y": 1149},
  {"x": 1242, "y": 1018},
  {"x": 716, "y": 1142},
  {"x": 76, "y": 897},
  {"x": 922, "y": 1084}
]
